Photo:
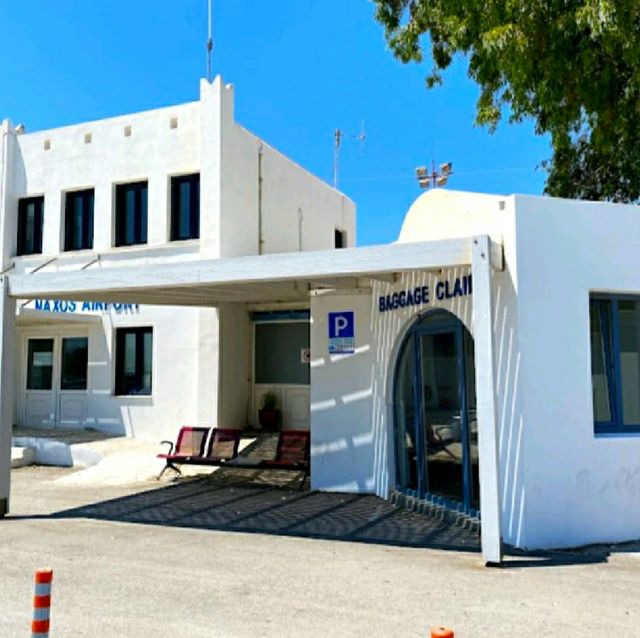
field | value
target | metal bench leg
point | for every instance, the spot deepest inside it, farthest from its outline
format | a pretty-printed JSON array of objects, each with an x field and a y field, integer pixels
[
  {"x": 304, "y": 478},
  {"x": 166, "y": 467}
]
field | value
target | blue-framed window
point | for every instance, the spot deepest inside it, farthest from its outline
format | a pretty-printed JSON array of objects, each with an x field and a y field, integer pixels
[
  {"x": 30, "y": 220},
  {"x": 615, "y": 363},
  {"x": 131, "y": 214},
  {"x": 185, "y": 207},
  {"x": 134, "y": 352},
  {"x": 78, "y": 224}
]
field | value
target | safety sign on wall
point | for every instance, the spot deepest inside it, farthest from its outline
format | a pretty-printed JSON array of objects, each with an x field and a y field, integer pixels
[{"x": 342, "y": 332}]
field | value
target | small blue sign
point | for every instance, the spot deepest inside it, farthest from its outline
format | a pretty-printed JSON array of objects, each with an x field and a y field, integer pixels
[{"x": 342, "y": 332}]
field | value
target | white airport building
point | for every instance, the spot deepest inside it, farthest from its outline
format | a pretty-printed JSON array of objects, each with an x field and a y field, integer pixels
[{"x": 487, "y": 362}]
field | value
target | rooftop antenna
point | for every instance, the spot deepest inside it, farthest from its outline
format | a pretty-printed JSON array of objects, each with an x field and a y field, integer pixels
[
  {"x": 209, "y": 47},
  {"x": 338, "y": 135}
]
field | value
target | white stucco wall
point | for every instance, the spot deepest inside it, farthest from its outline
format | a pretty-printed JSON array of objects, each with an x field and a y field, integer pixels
[
  {"x": 445, "y": 214},
  {"x": 202, "y": 137},
  {"x": 578, "y": 487},
  {"x": 352, "y": 394}
]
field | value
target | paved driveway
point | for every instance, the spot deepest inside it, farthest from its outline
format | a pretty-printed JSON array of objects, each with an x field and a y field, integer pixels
[{"x": 205, "y": 558}]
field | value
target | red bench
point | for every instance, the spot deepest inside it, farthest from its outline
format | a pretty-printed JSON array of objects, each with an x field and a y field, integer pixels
[
  {"x": 292, "y": 451},
  {"x": 191, "y": 443}
]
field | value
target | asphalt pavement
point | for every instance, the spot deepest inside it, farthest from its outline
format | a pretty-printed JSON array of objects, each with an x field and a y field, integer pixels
[{"x": 205, "y": 557}]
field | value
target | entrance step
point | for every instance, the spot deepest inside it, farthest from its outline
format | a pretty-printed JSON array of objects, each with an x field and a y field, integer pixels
[{"x": 435, "y": 510}]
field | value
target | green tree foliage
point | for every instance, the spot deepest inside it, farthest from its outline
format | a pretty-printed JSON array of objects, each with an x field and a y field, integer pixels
[{"x": 573, "y": 66}]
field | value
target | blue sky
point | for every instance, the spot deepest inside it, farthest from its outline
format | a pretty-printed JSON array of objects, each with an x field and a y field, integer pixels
[{"x": 301, "y": 68}]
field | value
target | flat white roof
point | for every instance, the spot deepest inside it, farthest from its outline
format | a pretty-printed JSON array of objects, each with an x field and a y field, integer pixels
[{"x": 252, "y": 279}]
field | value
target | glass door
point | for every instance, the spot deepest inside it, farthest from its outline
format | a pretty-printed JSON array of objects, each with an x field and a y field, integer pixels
[
  {"x": 442, "y": 405},
  {"x": 40, "y": 396},
  {"x": 72, "y": 392},
  {"x": 56, "y": 381},
  {"x": 435, "y": 414}
]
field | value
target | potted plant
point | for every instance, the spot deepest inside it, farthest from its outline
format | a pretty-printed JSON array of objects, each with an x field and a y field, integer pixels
[{"x": 268, "y": 414}]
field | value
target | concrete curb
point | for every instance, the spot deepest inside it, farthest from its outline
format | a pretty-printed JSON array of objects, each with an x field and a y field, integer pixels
[
  {"x": 22, "y": 456},
  {"x": 50, "y": 452}
]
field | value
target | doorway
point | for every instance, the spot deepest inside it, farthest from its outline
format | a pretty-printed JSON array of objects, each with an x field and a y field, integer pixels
[
  {"x": 55, "y": 381},
  {"x": 281, "y": 356},
  {"x": 435, "y": 413}
]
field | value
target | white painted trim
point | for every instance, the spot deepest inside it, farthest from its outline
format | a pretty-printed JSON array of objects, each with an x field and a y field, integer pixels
[
  {"x": 7, "y": 345},
  {"x": 482, "y": 320}
]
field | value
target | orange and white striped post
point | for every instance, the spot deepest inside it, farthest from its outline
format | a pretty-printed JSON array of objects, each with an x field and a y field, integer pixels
[
  {"x": 41, "y": 604},
  {"x": 441, "y": 632}
]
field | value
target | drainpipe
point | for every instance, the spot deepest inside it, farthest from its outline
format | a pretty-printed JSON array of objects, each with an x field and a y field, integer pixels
[{"x": 260, "y": 237}]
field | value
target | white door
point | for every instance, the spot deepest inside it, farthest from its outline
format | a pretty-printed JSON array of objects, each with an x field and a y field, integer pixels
[
  {"x": 281, "y": 365},
  {"x": 55, "y": 381},
  {"x": 296, "y": 407},
  {"x": 40, "y": 395},
  {"x": 72, "y": 389}
]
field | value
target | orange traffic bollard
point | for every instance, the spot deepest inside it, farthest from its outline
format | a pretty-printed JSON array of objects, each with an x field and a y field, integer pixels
[
  {"x": 441, "y": 632},
  {"x": 41, "y": 604}
]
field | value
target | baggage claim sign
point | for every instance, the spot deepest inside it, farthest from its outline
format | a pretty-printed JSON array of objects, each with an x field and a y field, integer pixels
[{"x": 421, "y": 295}]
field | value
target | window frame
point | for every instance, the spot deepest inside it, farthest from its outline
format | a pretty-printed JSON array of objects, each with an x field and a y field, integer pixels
[
  {"x": 120, "y": 335},
  {"x": 176, "y": 211},
  {"x": 38, "y": 224},
  {"x": 612, "y": 364},
  {"x": 63, "y": 379},
  {"x": 87, "y": 196},
  {"x": 141, "y": 214}
]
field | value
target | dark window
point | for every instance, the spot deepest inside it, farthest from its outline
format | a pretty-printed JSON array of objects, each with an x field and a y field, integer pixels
[
  {"x": 73, "y": 368},
  {"x": 40, "y": 364},
  {"x": 340, "y": 238},
  {"x": 78, "y": 224},
  {"x": 279, "y": 353},
  {"x": 134, "y": 347},
  {"x": 185, "y": 207},
  {"x": 131, "y": 214},
  {"x": 615, "y": 363},
  {"x": 30, "y": 217}
]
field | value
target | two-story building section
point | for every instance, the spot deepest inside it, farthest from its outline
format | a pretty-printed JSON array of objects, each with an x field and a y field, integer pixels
[{"x": 163, "y": 186}]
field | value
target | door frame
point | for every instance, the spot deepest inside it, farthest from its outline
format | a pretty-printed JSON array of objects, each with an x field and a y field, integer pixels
[
  {"x": 57, "y": 334},
  {"x": 257, "y": 389},
  {"x": 448, "y": 324}
]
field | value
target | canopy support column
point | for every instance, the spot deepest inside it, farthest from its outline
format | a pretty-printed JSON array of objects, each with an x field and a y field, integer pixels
[
  {"x": 7, "y": 346},
  {"x": 482, "y": 321}
]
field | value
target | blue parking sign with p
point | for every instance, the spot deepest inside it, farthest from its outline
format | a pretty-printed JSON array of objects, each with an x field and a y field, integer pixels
[
  {"x": 341, "y": 324},
  {"x": 342, "y": 332}
]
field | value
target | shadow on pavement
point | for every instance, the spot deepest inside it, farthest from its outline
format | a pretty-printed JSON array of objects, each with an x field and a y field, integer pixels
[{"x": 247, "y": 504}]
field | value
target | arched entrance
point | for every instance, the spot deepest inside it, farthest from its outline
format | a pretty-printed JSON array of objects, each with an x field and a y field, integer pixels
[{"x": 434, "y": 397}]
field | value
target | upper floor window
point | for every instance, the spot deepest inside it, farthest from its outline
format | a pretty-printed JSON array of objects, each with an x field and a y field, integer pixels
[
  {"x": 615, "y": 362},
  {"x": 185, "y": 207},
  {"x": 131, "y": 214},
  {"x": 30, "y": 218},
  {"x": 340, "y": 238},
  {"x": 78, "y": 223}
]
